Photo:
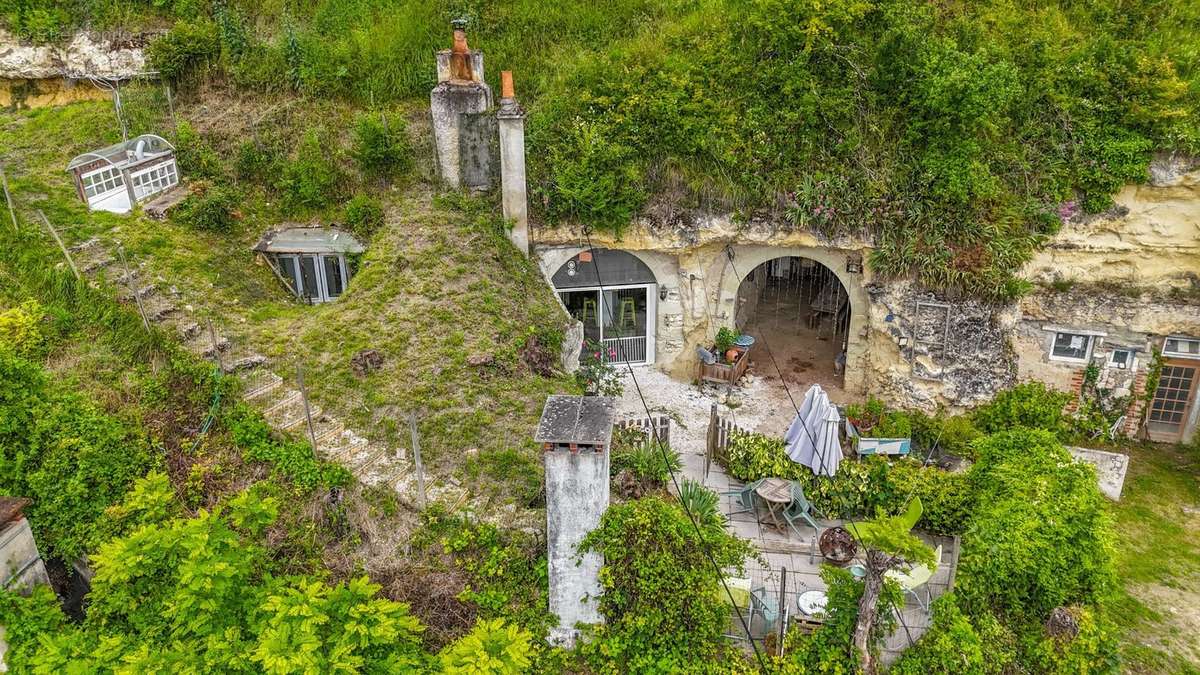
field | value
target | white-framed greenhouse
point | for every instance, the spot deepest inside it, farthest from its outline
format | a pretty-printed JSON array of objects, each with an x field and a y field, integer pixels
[{"x": 120, "y": 176}]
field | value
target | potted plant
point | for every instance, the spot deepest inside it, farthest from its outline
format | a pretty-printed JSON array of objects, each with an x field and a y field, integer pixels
[{"x": 726, "y": 345}]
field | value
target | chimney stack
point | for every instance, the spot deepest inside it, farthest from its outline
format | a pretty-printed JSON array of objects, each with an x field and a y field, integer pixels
[
  {"x": 511, "y": 120},
  {"x": 462, "y": 130},
  {"x": 575, "y": 433}
]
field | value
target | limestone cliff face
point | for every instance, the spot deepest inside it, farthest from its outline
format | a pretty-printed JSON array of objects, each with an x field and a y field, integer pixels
[
  {"x": 86, "y": 54},
  {"x": 1150, "y": 239}
]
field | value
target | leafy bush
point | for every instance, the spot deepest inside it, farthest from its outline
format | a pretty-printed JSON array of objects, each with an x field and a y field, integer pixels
[
  {"x": 947, "y": 497},
  {"x": 59, "y": 449},
  {"x": 597, "y": 375},
  {"x": 1031, "y": 405},
  {"x": 703, "y": 504},
  {"x": 642, "y": 459},
  {"x": 829, "y": 649},
  {"x": 312, "y": 179},
  {"x": 491, "y": 648},
  {"x": 380, "y": 146},
  {"x": 256, "y": 162},
  {"x": 196, "y": 157},
  {"x": 194, "y": 594},
  {"x": 364, "y": 215},
  {"x": 19, "y": 330},
  {"x": 212, "y": 209},
  {"x": 952, "y": 434},
  {"x": 593, "y": 180},
  {"x": 1040, "y": 535},
  {"x": 874, "y": 420},
  {"x": 293, "y": 459},
  {"x": 185, "y": 49},
  {"x": 660, "y": 602},
  {"x": 950, "y": 646}
]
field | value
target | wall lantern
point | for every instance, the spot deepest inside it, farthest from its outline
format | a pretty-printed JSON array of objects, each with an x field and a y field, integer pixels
[{"x": 854, "y": 264}]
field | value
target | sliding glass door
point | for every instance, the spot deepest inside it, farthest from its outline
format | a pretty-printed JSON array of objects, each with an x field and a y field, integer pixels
[{"x": 621, "y": 319}]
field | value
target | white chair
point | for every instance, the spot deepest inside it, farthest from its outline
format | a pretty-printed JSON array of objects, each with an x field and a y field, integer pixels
[{"x": 916, "y": 578}]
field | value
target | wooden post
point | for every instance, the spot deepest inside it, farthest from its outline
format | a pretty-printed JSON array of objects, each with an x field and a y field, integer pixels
[
  {"x": 416, "y": 442},
  {"x": 171, "y": 105},
  {"x": 216, "y": 346},
  {"x": 61, "y": 245},
  {"x": 711, "y": 440},
  {"x": 137, "y": 296},
  {"x": 312, "y": 436},
  {"x": 783, "y": 609},
  {"x": 8, "y": 198}
]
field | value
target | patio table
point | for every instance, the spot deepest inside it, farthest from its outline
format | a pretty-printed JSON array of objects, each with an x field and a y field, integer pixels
[{"x": 776, "y": 493}]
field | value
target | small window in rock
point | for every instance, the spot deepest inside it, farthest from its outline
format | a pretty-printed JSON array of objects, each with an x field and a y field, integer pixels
[
  {"x": 1120, "y": 358},
  {"x": 1071, "y": 347},
  {"x": 1180, "y": 346}
]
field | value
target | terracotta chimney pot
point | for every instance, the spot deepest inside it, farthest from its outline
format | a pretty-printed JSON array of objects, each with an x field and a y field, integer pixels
[
  {"x": 460, "y": 57},
  {"x": 506, "y": 84}
]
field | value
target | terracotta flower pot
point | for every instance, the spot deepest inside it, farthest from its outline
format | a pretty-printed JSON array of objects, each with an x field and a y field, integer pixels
[{"x": 732, "y": 355}]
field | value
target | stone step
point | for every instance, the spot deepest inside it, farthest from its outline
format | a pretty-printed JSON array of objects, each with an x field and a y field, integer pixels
[
  {"x": 188, "y": 329},
  {"x": 260, "y": 383},
  {"x": 202, "y": 345},
  {"x": 288, "y": 397},
  {"x": 158, "y": 308},
  {"x": 327, "y": 429},
  {"x": 244, "y": 363},
  {"x": 85, "y": 245},
  {"x": 94, "y": 266}
]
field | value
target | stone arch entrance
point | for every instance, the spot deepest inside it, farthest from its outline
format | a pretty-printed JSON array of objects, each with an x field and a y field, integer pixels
[{"x": 806, "y": 305}]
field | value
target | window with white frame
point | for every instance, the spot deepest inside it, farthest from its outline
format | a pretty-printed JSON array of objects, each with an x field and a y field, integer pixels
[
  {"x": 101, "y": 181},
  {"x": 154, "y": 180},
  {"x": 315, "y": 277},
  {"x": 1072, "y": 347},
  {"x": 1121, "y": 359},
  {"x": 1188, "y": 348}
]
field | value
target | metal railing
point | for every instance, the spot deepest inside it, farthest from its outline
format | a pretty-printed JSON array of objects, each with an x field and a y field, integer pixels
[{"x": 627, "y": 349}]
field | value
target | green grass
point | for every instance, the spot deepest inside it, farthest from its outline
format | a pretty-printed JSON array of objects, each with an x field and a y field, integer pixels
[
  {"x": 1158, "y": 559},
  {"x": 438, "y": 284}
]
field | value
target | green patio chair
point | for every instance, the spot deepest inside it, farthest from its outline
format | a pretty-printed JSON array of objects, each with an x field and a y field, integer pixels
[
  {"x": 745, "y": 496},
  {"x": 764, "y": 604},
  {"x": 916, "y": 578},
  {"x": 800, "y": 509}
]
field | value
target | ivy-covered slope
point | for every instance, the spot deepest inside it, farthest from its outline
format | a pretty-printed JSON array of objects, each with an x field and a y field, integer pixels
[{"x": 958, "y": 133}]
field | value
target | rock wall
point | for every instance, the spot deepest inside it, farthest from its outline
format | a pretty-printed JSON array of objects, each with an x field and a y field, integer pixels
[
  {"x": 1132, "y": 274},
  {"x": 108, "y": 55},
  {"x": 1151, "y": 237}
]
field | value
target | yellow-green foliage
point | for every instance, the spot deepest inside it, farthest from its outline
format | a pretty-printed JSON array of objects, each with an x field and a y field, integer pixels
[
  {"x": 491, "y": 648},
  {"x": 19, "y": 328}
]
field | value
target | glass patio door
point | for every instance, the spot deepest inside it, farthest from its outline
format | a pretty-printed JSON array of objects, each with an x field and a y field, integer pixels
[
  {"x": 1172, "y": 401},
  {"x": 316, "y": 277},
  {"x": 620, "y": 319}
]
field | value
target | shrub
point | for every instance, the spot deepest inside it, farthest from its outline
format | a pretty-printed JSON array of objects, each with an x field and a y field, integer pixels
[
  {"x": 593, "y": 180},
  {"x": 642, "y": 459},
  {"x": 212, "y": 209},
  {"x": 491, "y": 648},
  {"x": 874, "y": 420},
  {"x": 364, "y": 215},
  {"x": 703, "y": 504},
  {"x": 947, "y": 497},
  {"x": 661, "y": 604},
  {"x": 293, "y": 459},
  {"x": 19, "y": 330},
  {"x": 950, "y": 646},
  {"x": 255, "y": 162},
  {"x": 952, "y": 434},
  {"x": 312, "y": 179},
  {"x": 59, "y": 449},
  {"x": 1030, "y": 405},
  {"x": 830, "y": 649},
  {"x": 380, "y": 146},
  {"x": 597, "y": 376},
  {"x": 182, "y": 51},
  {"x": 195, "y": 156},
  {"x": 1040, "y": 534}
]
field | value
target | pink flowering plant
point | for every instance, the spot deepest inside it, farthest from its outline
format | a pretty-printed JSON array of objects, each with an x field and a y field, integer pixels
[{"x": 597, "y": 375}]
